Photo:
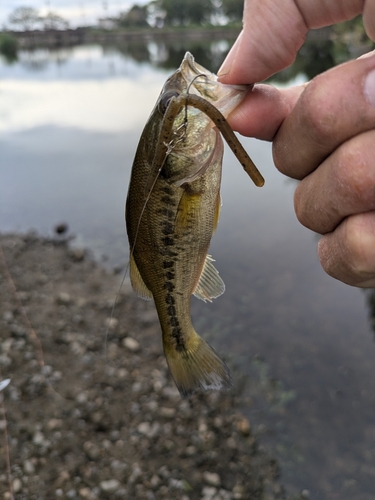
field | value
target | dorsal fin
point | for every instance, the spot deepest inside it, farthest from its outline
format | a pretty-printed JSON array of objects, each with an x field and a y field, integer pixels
[
  {"x": 137, "y": 281},
  {"x": 210, "y": 284}
]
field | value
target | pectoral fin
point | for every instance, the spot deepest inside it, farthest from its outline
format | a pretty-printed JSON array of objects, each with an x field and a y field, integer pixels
[
  {"x": 137, "y": 281},
  {"x": 210, "y": 284}
]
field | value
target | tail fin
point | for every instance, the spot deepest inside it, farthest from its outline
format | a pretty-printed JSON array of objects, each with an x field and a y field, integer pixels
[{"x": 197, "y": 367}]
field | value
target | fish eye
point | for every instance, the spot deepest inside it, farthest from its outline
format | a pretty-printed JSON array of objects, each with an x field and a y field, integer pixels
[{"x": 165, "y": 99}]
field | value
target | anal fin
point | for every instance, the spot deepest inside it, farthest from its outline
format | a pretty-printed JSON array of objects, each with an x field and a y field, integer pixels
[
  {"x": 137, "y": 281},
  {"x": 210, "y": 284}
]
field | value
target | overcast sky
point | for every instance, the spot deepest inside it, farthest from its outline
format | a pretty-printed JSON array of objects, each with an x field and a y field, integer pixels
[{"x": 77, "y": 12}]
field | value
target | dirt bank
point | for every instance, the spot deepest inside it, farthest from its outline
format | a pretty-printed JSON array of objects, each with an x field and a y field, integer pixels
[{"x": 81, "y": 426}]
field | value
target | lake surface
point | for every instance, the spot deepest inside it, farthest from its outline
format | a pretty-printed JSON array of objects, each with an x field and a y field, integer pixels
[{"x": 70, "y": 121}]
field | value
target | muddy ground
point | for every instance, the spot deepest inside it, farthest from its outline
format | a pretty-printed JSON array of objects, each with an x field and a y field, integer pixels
[{"x": 90, "y": 419}]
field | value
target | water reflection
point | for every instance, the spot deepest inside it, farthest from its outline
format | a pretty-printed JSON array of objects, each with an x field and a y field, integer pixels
[{"x": 321, "y": 52}]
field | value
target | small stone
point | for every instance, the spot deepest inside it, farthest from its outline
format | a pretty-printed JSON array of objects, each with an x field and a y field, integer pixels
[
  {"x": 109, "y": 486},
  {"x": 82, "y": 397},
  {"x": 191, "y": 450},
  {"x": 238, "y": 492},
  {"x": 211, "y": 478},
  {"x": 85, "y": 493},
  {"x": 147, "y": 429},
  {"x": 8, "y": 316},
  {"x": 77, "y": 254},
  {"x": 28, "y": 467},
  {"x": 17, "y": 485},
  {"x": 167, "y": 412},
  {"x": 171, "y": 392},
  {"x": 208, "y": 492},
  {"x": 243, "y": 426},
  {"x": 55, "y": 423},
  {"x": 38, "y": 438},
  {"x": 91, "y": 450},
  {"x": 122, "y": 373},
  {"x": 155, "y": 480},
  {"x": 131, "y": 344},
  {"x": 305, "y": 493},
  {"x": 63, "y": 298},
  {"x": 231, "y": 443},
  {"x": 111, "y": 323}
]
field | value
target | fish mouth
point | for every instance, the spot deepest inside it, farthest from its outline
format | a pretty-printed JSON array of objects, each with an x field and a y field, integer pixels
[{"x": 202, "y": 82}]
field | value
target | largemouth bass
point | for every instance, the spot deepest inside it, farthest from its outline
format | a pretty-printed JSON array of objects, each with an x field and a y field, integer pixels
[{"x": 172, "y": 211}]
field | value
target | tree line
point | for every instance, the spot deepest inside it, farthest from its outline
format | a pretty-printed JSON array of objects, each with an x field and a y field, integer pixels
[{"x": 158, "y": 13}]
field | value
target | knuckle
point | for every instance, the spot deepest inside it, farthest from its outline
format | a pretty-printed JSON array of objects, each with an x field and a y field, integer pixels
[
  {"x": 359, "y": 247},
  {"x": 319, "y": 112},
  {"x": 348, "y": 254},
  {"x": 354, "y": 171}
]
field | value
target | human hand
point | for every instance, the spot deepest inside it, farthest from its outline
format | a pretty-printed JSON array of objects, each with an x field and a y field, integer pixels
[{"x": 323, "y": 132}]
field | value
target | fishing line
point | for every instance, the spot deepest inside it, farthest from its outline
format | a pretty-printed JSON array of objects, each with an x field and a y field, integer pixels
[{"x": 188, "y": 91}]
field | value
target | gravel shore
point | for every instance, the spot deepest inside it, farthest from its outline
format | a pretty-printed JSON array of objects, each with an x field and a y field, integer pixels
[{"x": 90, "y": 417}]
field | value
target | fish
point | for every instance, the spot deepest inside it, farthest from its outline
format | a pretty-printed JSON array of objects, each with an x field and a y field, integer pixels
[{"x": 172, "y": 211}]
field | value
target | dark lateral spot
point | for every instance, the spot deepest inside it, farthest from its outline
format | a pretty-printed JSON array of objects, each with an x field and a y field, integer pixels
[
  {"x": 167, "y": 252},
  {"x": 167, "y": 200},
  {"x": 169, "y": 286},
  {"x": 167, "y": 190},
  {"x": 171, "y": 310},
  {"x": 166, "y": 212},
  {"x": 168, "y": 241},
  {"x": 167, "y": 228},
  {"x": 169, "y": 299},
  {"x": 167, "y": 264},
  {"x": 169, "y": 275},
  {"x": 174, "y": 322},
  {"x": 177, "y": 336}
]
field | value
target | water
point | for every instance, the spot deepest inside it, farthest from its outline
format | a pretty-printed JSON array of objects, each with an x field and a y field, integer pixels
[{"x": 70, "y": 121}]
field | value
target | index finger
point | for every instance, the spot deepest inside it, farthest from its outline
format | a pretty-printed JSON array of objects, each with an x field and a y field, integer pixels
[{"x": 274, "y": 31}]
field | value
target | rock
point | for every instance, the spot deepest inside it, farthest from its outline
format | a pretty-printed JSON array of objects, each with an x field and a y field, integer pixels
[
  {"x": 243, "y": 426},
  {"x": 211, "y": 478},
  {"x": 111, "y": 323},
  {"x": 77, "y": 254},
  {"x": 28, "y": 467},
  {"x": 208, "y": 492},
  {"x": 63, "y": 298},
  {"x": 131, "y": 344},
  {"x": 238, "y": 492},
  {"x": 109, "y": 486},
  {"x": 147, "y": 429},
  {"x": 17, "y": 485},
  {"x": 167, "y": 412},
  {"x": 155, "y": 481},
  {"x": 38, "y": 438}
]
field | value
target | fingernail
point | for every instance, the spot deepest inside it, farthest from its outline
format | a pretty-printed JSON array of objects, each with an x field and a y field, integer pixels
[
  {"x": 369, "y": 88},
  {"x": 228, "y": 61}
]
